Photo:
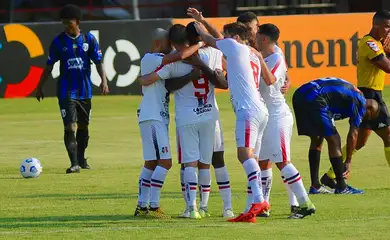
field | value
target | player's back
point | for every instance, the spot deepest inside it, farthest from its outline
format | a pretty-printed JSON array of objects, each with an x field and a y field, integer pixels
[
  {"x": 272, "y": 95},
  {"x": 155, "y": 99},
  {"x": 368, "y": 74},
  {"x": 337, "y": 95},
  {"x": 244, "y": 70}
]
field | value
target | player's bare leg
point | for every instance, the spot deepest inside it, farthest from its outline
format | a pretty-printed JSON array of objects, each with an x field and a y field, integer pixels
[
  {"x": 71, "y": 147},
  {"x": 204, "y": 188},
  {"x": 222, "y": 177},
  {"x": 156, "y": 183},
  {"x": 144, "y": 188},
  {"x": 384, "y": 133},
  {"x": 314, "y": 163}
]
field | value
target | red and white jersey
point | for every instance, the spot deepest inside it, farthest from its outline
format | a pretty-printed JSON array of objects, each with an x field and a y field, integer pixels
[
  {"x": 155, "y": 101},
  {"x": 273, "y": 97},
  {"x": 277, "y": 49},
  {"x": 195, "y": 102},
  {"x": 243, "y": 69}
]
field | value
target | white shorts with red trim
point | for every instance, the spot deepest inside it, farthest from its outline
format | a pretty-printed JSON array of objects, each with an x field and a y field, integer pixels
[
  {"x": 218, "y": 140},
  {"x": 275, "y": 144},
  {"x": 196, "y": 142},
  {"x": 250, "y": 128},
  {"x": 155, "y": 140}
]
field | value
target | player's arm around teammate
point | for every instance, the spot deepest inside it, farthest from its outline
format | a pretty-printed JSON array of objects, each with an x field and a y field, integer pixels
[{"x": 75, "y": 50}]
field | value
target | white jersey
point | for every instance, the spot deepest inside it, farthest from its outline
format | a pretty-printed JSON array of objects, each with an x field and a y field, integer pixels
[
  {"x": 155, "y": 101},
  {"x": 195, "y": 102},
  {"x": 273, "y": 97},
  {"x": 243, "y": 71}
]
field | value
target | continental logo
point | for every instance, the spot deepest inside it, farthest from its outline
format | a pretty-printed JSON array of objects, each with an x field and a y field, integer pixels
[
  {"x": 24, "y": 35},
  {"x": 321, "y": 53}
]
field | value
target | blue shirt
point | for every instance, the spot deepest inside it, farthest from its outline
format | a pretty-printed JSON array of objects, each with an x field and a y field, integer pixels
[
  {"x": 75, "y": 55},
  {"x": 337, "y": 96}
]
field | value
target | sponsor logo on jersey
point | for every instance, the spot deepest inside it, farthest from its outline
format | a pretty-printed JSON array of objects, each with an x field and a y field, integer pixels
[
  {"x": 75, "y": 63},
  {"x": 373, "y": 46}
]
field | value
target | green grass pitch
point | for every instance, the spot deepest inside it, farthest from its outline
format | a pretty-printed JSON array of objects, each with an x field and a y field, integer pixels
[{"x": 99, "y": 203}]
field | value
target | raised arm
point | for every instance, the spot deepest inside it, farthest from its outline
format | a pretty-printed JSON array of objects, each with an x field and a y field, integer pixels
[
  {"x": 193, "y": 12},
  {"x": 207, "y": 38},
  {"x": 181, "y": 55}
]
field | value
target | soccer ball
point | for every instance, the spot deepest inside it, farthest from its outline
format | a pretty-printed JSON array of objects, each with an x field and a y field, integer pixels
[{"x": 31, "y": 168}]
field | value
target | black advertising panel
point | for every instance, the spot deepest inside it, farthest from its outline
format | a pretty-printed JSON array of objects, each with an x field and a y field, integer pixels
[{"x": 24, "y": 49}]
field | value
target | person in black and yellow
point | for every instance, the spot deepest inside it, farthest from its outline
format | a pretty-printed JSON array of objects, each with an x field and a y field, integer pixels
[{"x": 373, "y": 65}]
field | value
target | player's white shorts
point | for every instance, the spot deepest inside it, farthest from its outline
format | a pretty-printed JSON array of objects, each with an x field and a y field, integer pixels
[
  {"x": 275, "y": 144},
  {"x": 218, "y": 140},
  {"x": 250, "y": 127},
  {"x": 155, "y": 140},
  {"x": 196, "y": 142}
]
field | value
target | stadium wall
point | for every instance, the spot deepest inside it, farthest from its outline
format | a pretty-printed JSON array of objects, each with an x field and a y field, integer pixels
[{"x": 314, "y": 45}]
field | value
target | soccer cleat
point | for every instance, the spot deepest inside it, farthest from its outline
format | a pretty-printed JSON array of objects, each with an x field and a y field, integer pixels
[
  {"x": 258, "y": 208},
  {"x": 157, "y": 213},
  {"x": 194, "y": 214},
  {"x": 321, "y": 190},
  {"x": 140, "y": 211},
  {"x": 327, "y": 181},
  {"x": 294, "y": 209},
  {"x": 84, "y": 164},
  {"x": 204, "y": 212},
  {"x": 185, "y": 214},
  {"x": 302, "y": 212},
  {"x": 349, "y": 190},
  {"x": 228, "y": 213},
  {"x": 244, "y": 217},
  {"x": 264, "y": 214},
  {"x": 73, "y": 169}
]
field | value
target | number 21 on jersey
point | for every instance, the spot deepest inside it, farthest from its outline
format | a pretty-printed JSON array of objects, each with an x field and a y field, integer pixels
[{"x": 256, "y": 72}]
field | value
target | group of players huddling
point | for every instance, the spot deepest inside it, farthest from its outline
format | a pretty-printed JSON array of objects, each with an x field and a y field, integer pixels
[{"x": 257, "y": 79}]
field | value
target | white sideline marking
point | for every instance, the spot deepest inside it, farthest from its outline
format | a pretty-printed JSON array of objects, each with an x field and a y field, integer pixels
[{"x": 176, "y": 226}]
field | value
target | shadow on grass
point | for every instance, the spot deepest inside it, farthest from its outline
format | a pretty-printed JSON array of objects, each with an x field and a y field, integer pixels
[{"x": 96, "y": 196}]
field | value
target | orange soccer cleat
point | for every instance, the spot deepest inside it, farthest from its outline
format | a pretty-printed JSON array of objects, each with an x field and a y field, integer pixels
[
  {"x": 244, "y": 217},
  {"x": 258, "y": 208}
]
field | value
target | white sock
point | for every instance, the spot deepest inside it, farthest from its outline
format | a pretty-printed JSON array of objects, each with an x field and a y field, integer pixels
[
  {"x": 156, "y": 183},
  {"x": 204, "y": 187},
  {"x": 249, "y": 200},
  {"x": 183, "y": 187},
  {"x": 252, "y": 170},
  {"x": 191, "y": 181},
  {"x": 291, "y": 197},
  {"x": 222, "y": 176},
  {"x": 266, "y": 183},
  {"x": 144, "y": 187},
  {"x": 293, "y": 178}
]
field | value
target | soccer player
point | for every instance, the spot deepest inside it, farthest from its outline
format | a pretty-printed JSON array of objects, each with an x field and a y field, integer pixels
[
  {"x": 275, "y": 145},
  {"x": 218, "y": 162},
  {"x": 195, "y": 115},
  {"x": 317, "y": 105},
  {"x": 75, "y": 50},
  {"x": 373, "y": 64},
  {"x": 153, "y": 120},
  {"x": 244, "y": 69}
]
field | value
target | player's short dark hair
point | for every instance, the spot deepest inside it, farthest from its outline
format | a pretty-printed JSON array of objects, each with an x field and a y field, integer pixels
[
  {"x": 247, "y": 17},
  {"x": 270, "y": 30},
  {"x": 70, "y": 11},
  {"x": 191, "y": 30},
  {"x": 177, "y": 34},
  {"x": 381, "y": 15},
  {"x": 237, "y": 28}
]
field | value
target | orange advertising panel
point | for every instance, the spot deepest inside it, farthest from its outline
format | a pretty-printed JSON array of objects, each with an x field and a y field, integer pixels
[{"x": 316, "y": 45}]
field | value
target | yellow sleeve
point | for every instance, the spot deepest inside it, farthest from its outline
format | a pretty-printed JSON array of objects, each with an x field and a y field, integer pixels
[{"x": 371, "y": 49}]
